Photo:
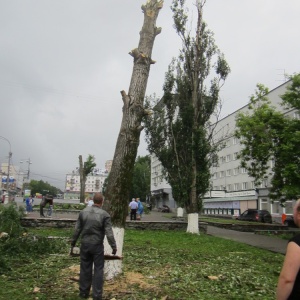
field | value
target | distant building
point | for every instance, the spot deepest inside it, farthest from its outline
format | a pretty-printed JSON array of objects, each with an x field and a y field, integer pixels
[
  {"x": 161, "y": 191},
  {"x": 108, "y": 165},
  {"x": 232, "y": 189},
  {"x": 94, "y": 183},
  {"x": 15, "y": 177}
]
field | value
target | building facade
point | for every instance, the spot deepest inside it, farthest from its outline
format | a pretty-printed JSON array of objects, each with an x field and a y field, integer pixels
[
  {"x": 16, "y": 178},
  {"x": 161, "y": 191},
  {"x": 94, "y": 184},
  {"x": 232, "y": 189}
]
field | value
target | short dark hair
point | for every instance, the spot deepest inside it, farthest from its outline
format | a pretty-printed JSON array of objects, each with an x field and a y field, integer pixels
[{"x": 98, "y": 198}]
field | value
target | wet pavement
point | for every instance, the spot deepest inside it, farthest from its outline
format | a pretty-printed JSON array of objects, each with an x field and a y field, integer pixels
[{"x": 271, "y": 243}]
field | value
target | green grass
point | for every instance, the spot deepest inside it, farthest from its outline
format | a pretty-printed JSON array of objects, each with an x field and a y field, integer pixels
[{"x": 173, "y": 264}]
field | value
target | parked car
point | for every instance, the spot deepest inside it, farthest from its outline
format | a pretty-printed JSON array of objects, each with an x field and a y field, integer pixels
[
  {"x": 164, "y": 209},
  {"x": 256, "y": 215},
  {"x": 289, "y": 221}
]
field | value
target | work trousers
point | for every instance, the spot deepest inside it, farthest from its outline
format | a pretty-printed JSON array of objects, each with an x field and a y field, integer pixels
[
  {"x": 91, "y": 254},
  {"x": 133, "y": 214}
]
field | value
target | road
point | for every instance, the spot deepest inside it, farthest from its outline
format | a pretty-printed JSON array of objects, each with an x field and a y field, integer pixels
[{"x": 37, "y": 201}]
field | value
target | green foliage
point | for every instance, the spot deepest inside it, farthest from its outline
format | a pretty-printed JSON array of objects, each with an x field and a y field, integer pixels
[
  {"x": 179, "y": 271},
  {"x": 19, "y": 244},
  {"x": 267, "y": 134},
  {"x": 10, "y": 220},
  {"x": 39, "y": 186},
  {"x": 89, "y": 165},
  {"x": 179, "y": 132},
  {"x": 141, "y": 178},
  {"x": 84, "y": 170}
]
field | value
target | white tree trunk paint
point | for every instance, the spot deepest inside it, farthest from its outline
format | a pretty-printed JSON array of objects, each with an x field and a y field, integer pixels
[
  {"x": 193, "y": 223},
  {"x": 179, "y": 212},
  {"x": 113, "y": 268}
]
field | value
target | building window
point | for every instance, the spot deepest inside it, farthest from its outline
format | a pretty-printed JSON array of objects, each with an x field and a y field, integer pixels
[
  {"x": 235, "y": 171},
  {"x": 228, "y": 158},
  {"x": 228, "y": 144},
  {"x": 235, "y": 155},
  {"x": 222, "y": 174},
  {"x": 228, "y": 172},
  {"x": 296, "y": 115},
  {"x": 244, "y": 186},
  {"x": 229, "y": 187},
  {"x": 235, "y": 141},
  {"x": 236, "y": 187},
  {"x": 244, "y": 171},
  {"x": 288, "y": 208},
  {"x": 275, "y": 207},
  {"x": 264, "y": 204}
]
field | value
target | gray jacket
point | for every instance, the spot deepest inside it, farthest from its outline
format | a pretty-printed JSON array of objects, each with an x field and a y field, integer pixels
[{"x": 93, "y": 224}]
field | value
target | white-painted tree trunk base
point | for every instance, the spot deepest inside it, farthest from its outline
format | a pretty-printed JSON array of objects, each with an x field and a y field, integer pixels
[
  {"x": 193, "y": 223},
  {"x": 113, "y": 268},
  {"x": 179, "y": 212}
]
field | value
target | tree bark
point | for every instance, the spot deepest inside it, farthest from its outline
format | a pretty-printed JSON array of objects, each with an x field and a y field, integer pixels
[{"x": 120, "y": 177}]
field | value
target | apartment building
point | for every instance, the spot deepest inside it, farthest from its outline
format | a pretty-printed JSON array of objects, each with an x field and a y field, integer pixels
[
  {"x": 161, "y": 191},
  {"x": 16, "y": 177},
  {"x": 94, "y": 183},
  {"x": 232, "y": 189}
]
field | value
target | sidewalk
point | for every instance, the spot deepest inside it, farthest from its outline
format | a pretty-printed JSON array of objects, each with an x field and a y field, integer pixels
[{"x": 270, "y": 243}]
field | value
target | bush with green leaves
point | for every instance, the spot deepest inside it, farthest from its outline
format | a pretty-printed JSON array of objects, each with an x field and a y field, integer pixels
[
  {"x": 10, "y": 221},
  {"x": 18, "y": 243}
]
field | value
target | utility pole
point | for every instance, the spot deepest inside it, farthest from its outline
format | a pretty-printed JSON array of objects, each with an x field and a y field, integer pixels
[{"x": 8, "y": 166}]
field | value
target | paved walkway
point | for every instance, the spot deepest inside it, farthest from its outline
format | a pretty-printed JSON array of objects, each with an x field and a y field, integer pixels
[{"x": 270, "y": 243}]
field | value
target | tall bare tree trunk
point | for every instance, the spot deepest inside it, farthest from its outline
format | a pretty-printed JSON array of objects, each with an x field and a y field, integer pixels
[{"x": 120, "y": 178}]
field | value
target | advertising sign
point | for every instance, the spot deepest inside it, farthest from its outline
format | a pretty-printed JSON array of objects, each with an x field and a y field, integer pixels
[{"x": 27, "y": 193}]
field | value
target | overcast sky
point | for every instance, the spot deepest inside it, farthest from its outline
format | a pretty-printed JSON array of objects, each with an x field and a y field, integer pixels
[{"x": 64, "y": 63}]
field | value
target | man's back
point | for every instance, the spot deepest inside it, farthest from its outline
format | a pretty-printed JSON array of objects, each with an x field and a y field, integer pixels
[{"x": 93, "y": 224}]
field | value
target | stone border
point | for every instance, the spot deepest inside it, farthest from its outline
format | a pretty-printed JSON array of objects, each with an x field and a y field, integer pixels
[
  {"x": 249, "y": 227},
  {"x": 139, "y": 225}
]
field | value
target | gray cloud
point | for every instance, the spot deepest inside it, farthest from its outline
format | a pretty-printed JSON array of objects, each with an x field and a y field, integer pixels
[{"x": 63, "y": 64}]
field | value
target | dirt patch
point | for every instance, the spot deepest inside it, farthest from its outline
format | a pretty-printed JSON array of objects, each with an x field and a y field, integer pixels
[{"x": 126, "y": 283}]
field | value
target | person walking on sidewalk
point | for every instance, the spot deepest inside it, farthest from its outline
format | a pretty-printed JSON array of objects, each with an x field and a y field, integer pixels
[
  {"x": 93, "y": 225},
  {"x": 133, "y": 207},
  {"x": 288, "y": 287},
  {"x": 140, "y": 209}
]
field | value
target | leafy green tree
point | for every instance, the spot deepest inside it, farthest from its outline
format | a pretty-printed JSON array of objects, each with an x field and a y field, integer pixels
[
  {"x": 84, "y": 170},
  {"x": 180, "y": 133},
  {"x": 39, "y": 186},
  {"x": 141, "y": 178},
  {"x": 269, "y": 135}
]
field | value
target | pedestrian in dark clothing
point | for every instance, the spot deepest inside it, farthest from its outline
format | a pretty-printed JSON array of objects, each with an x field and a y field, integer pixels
[
  {"x": 93, "y": 224},
  {"x": 48, "y": 199},
  {"x": 133, "y": 208}
]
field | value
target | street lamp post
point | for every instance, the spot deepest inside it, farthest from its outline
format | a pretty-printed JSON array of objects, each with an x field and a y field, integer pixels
[
  {"x": 9, "y": 158},
  {"x": 29, "y": 162}
]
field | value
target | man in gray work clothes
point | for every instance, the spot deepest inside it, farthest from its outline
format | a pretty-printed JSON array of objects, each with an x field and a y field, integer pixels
[{"x": 93, "y": 224}]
